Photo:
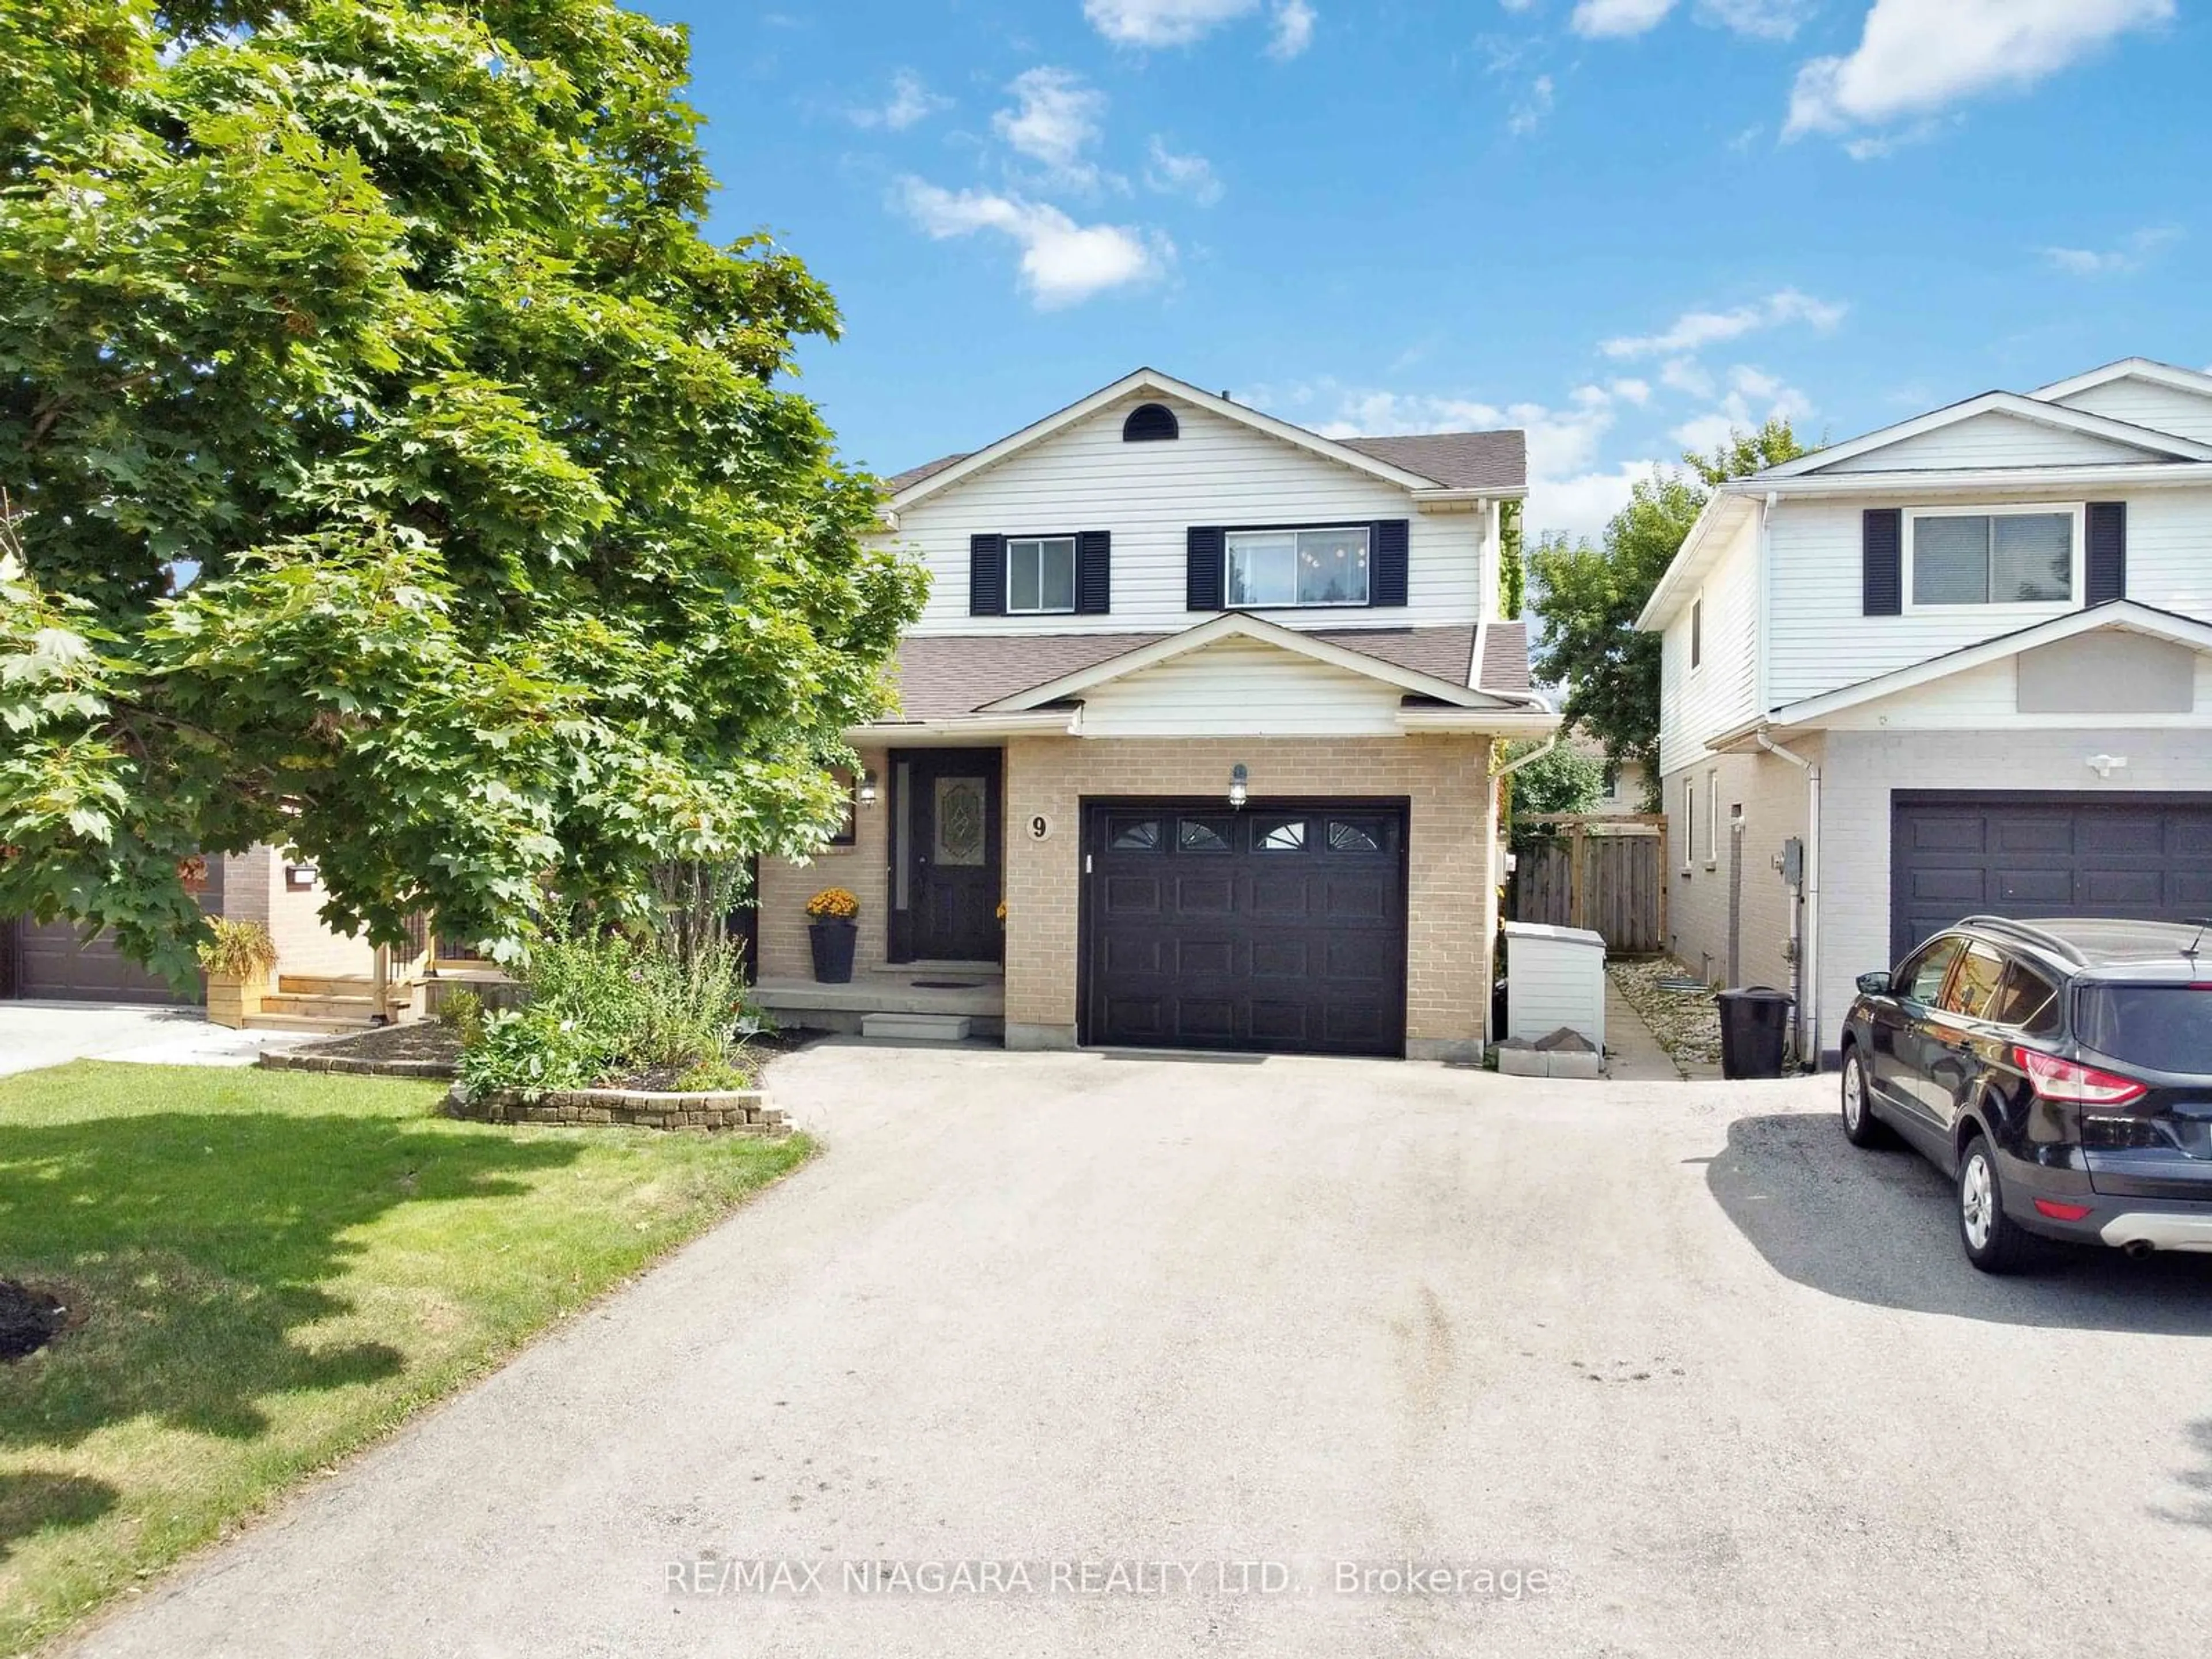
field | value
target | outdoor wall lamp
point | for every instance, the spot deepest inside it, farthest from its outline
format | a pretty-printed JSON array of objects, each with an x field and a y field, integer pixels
[
  {"x": 866, "y": 792},
  {"x": 1239, "y": 781}
]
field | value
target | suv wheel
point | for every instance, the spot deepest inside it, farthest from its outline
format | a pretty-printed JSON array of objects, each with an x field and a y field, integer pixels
[
  {"x": 1994, "y": 1243},
  {"x": 1861, "y": 1126}
]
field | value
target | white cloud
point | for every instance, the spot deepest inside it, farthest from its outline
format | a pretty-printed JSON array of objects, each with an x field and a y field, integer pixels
[
  {"x": 1579, "y": 507},
  {"x": 1632, "y": 392},
  {"x": 1182, "y": 175},
  {"x": 1753, "y": 397},
  {"x": 1762, "y": 20},
  {"x": 911, "y": 101},
  {"x": 2125, "y": 260},
  {"x": 1614, "y": 19},
  {"x": 1062, "y": 262},
  {"x": 1517, "y": 5},
  {"x": 1181, "y": 22},
  {"x": 1162, "y": 22},
  {"x": 1055, "y": 118},
  {"x": 1687, "y": 374},
  {"x": 1294, "y": 28},
  {"x": 1918, "y": 57},
  {"x": 1695, "y": 329},
  {"x": 1527, "y": 114}
]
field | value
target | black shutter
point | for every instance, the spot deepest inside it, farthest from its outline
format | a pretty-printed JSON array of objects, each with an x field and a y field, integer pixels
[
  {"x": 1094, "y": 572},
  {"x": 1882, "y": 547},
  {"x": 2108, "y": 552},
  {"x": 987, "y": 575},
  {"x": 1206, "y": 548},
  {"x": 1386, "y": 583}
]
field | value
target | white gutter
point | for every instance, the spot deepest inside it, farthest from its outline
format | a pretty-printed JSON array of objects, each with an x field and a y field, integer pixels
[
  {"x": 1505, "y": 722},
  {"x": 1808, "y": 951}
]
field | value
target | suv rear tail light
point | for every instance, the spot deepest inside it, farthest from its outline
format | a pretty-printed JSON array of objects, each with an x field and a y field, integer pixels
[
  {"x": 2064, "y": 1080},
  {"x": 2058, "y": 1212}
]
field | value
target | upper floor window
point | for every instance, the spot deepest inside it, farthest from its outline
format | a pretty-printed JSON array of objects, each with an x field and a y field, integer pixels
[
  {"x": 1274, "y": 568},
  {"x": 2025, "y": 556},
  {"x": 1698, "y": 631},
  {"x": 1039, "y": 574}
]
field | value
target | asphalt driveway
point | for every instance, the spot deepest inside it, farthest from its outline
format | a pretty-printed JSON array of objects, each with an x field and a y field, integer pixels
[{"x": 1130, "y": 1356}]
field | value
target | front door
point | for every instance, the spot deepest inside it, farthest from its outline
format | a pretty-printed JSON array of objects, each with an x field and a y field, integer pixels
[{"x": 954, "y": 848}]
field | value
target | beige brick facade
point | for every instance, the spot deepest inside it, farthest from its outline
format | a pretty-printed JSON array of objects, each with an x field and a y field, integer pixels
[
  {"x": 1452, "y": 898},
  {"x": 254, "y": 889},
  {"x": 1452, "y": 836},
  {"x": 864, "y": 867}
]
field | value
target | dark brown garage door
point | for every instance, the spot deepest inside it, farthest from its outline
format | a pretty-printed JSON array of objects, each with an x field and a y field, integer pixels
[
  {"x": 52, "y": 961},
  {"x": 2025, "y": 855},
  {"x": 1279, "y": 927}
]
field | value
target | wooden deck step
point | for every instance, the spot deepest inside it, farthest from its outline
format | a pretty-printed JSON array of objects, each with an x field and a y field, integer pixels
[
  {"x": 327, "y": 1007},
  {"x": 330, "y": 1023}
]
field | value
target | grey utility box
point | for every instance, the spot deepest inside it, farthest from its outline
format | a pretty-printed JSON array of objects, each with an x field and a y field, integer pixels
[{"x": 1554, "y": 976}]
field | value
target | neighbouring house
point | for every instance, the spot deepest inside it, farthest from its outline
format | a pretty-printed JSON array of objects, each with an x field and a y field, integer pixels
[
  {"x": 1209, "y": 701},
  {"x": 1960, "y": 665},
  {"x": 54, "y": 960},
  {"x": 1624, "y": 784}
]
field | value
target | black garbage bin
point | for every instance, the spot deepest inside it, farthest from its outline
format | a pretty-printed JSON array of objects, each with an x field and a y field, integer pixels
[{"x": 1754, "y": 1031}]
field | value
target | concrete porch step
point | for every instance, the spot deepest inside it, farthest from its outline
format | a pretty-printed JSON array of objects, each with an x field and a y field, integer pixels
[{"x": 917, "y": 1028}]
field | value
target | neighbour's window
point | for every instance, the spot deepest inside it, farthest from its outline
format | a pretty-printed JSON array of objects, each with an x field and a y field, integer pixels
[
  {"x": 1974, "y": 984},
  {"x": 1040, "y": 575},
  {"x": 1992, "y": 558},
  {"x": 1697, "y": 631},
  {"x": 2027, "y": 1001},
  {"x": 1613, "y": 782},
  {"x": 1271, "y": 568},
  {"x": 1689, "y": 821},
  {"x": 1920, "y": 979},
  {"x": 1712, "y": 818}
]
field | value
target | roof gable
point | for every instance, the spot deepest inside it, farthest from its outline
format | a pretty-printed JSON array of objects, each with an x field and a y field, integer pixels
[
  {"x": 2120, "y": 616},
  {"x": 1998, "y": 429},
  {"x": 2153, "y": 395},
  {"x": 1427, "y": 467},
  {"x": 1236, "y": 625}
]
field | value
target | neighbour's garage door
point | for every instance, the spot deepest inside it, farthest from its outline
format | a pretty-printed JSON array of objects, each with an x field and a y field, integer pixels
[
  {"x": 2142, "y": 856},
  {"x": 1279, "y": 927},
  {"x": 52, "y": 960}
]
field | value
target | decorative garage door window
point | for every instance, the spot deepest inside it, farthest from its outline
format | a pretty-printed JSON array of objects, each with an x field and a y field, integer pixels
[
  {"x": 960, "y": 821},
  {"x": 1204, "y": 835},
  {"x": 1279, "y": 835},
  {"x": 1131, "y": 834},
  {"x": 1355, "y": 835}
]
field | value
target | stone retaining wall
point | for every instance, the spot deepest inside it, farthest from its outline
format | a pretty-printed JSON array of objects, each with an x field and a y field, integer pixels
[
  {"x": 725, "y": 1111},
  {"x": 279, "y": 1060}
]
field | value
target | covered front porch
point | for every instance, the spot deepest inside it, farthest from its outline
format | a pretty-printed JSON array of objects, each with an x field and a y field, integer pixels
[{"x": 945, "y": 1001}]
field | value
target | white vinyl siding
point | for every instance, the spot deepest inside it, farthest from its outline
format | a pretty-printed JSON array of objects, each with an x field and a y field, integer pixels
[
  {"x": 1721, "y": 691},
  {"x": 2147, "y": 402},
  {"x": 1994, "y": 440},
  {"x": 1242, "y": 687},
  {"x": 1818, "y": 641},
  {"x": 1150, "y": 495}
]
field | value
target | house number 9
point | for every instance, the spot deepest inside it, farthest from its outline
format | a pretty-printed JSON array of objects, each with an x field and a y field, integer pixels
[{"x": 1040, "y": 827}]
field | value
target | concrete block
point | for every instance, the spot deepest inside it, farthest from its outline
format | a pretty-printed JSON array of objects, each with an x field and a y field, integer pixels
[{"x": 917, "y": 1028}]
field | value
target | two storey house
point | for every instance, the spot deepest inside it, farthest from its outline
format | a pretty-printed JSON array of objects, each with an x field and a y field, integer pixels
[
  {"x": 1193, "y": 744},
  {"x": 1962, "y": 665}
]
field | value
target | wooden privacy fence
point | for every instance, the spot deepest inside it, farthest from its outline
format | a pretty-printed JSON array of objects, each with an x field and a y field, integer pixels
[{"x": 1614, "y": 883}]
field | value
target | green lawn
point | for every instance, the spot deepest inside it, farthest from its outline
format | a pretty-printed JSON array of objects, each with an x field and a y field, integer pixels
[{"x": 273, "y": 1269}]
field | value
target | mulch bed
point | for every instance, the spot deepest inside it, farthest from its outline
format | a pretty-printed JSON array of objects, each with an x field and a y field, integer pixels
[
  {"x": 420, "y": 1048},
  {"x": 29, "y": 1319}
]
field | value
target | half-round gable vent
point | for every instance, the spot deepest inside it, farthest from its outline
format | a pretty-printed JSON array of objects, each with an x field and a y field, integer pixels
[{"x": 1149, "y": 423}]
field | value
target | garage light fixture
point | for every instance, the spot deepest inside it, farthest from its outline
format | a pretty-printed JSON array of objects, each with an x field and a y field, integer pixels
[
  {"x": 866, "y": 792},
  {"x": 1239, "y": 782}
]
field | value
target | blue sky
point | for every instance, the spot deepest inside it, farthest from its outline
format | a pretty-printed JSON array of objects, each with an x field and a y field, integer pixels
[{"x": 1623, "y": 224}]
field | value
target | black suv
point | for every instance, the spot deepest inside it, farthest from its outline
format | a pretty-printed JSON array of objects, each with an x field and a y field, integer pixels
[{"x": 2060, "y": 1071}]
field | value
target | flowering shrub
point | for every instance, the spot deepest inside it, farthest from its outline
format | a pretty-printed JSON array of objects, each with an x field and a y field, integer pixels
[{"x": 833, "y": 902}]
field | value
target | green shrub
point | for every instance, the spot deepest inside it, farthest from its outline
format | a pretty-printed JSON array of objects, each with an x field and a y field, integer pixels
[
  {"x": 605, "y": 1005},
  {"x": 461, "y": 1012}
]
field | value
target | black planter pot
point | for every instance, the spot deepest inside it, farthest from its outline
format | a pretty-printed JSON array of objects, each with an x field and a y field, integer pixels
[{"x": 832, "y": 938}]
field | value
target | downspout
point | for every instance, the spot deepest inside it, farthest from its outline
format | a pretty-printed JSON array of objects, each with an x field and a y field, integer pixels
[{"x": 1808, "y": 952}]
